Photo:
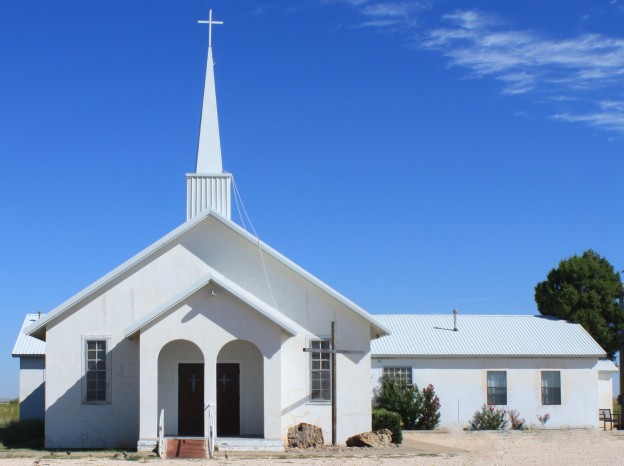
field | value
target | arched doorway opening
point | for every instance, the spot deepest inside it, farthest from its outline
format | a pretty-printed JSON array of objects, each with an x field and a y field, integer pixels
[
  {"x": 181, "y": 388},
  {"x": 240, "y": 390}
]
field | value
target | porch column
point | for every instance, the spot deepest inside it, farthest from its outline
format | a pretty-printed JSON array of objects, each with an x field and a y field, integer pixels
[
  {"x": 148, "y": 397},
  {"x": 272, "y": 396},
  {"x": 210, "y": 388}
]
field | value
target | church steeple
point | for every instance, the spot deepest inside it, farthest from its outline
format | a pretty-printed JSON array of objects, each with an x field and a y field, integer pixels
[
  {"x": 208, "y": 187},
  {"x": 209, "y": 148}
]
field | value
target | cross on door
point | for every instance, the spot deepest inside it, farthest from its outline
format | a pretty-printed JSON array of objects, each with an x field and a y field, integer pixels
[
  {"x": 194, "y": 379},
  {"x": 224, "y": 380}
]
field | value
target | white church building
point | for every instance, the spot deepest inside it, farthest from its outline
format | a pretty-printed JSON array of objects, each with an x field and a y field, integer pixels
[{"x": 209, "y": 322}]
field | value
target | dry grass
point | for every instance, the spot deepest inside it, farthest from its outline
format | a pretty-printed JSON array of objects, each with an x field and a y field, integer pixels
[
  {"x": 18, "y": 434},
  {"x": 9, "y": 413}
]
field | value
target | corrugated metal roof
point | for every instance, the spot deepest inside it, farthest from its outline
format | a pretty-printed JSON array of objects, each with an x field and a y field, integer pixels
[
  {"x": 26, "y": 345},
  {"x": 606, "y": 365},
  {"x": 483, "y": 336}
]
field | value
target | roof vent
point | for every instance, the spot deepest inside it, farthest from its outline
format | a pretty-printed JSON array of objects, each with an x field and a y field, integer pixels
[{"x": 454, "y": 320}]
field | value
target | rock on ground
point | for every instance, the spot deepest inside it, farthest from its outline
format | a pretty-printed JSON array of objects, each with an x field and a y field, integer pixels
[
  {"x": 378, "y": 439},
  {"x": 305, "y": 435}
]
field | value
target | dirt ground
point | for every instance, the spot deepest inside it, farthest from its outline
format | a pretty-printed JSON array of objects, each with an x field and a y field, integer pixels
[{"x": 565, "y": 447}]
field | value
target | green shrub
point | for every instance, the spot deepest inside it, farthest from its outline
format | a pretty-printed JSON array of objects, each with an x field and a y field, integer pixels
[
  {"x": 384, "y": 419},
  {"x": 489, "y": 418},
  {"x": 23, "y": 434},
  {"x": 430, "y": 410},
  {"x": 399, "y": 397}
]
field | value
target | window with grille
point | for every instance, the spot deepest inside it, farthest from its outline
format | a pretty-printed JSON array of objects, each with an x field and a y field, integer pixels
[
  {"x": 497, "y": 387},
  {"x": 400, "y": 374},
  {"x": 96, "y": 374},
  {"x": 320, "y": 372},
  {"x": 551, "y": 387}
]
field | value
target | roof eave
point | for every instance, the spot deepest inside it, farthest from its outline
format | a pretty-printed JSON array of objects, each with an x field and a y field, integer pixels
[
  {"x": 38, "y": 330},
  {"x": 269, "y": 312}
]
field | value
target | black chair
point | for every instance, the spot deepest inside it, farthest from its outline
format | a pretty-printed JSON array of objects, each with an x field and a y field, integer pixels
[{"x": 605, "y": 416}]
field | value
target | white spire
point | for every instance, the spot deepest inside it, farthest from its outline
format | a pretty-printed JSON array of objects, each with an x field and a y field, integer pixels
[
  {"x": 209, "y": 149},
  {"x": 209, "y": 187}
]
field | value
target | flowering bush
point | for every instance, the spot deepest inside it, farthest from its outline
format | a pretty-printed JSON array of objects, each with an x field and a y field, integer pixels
[
  {"x": 430, "y": 410},
  {"x": 543, "y": 419},
  {"x": 517, "y": 422},
  {"x": 489, "y": 418}
]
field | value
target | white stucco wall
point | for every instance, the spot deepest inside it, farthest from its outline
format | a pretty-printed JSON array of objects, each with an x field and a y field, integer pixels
[
  {"x": 32, "y": 388},
  {"x": 605, "y": 389},
  {"x": 210, "y": 323},
  {"x": 461, "y": 385}
]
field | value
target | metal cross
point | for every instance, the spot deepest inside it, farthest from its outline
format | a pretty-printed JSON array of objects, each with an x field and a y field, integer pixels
[
  {"x": 224, "y": 379},
  {"x": 210, "y": 22},
  {"x": 332, "y": 351},
  {"x": 193, "y": 381}
]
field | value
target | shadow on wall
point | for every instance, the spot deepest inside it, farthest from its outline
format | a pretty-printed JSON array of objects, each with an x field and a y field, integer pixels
[
  {"x": 71, "y": 423},
  {"x": 33, "y": 406}
]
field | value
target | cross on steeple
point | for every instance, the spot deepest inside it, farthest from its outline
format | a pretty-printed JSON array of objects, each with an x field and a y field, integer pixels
[{"x": 210, "y": 22}]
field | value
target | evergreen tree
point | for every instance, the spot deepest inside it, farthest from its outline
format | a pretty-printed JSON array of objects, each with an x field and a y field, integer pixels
[{"x": 585, "y": 290}]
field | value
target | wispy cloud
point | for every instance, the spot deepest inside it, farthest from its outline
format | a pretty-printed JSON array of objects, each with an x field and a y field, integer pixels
[
  {"x": 561, "y": 71},
  {"x": 387, "y": 14},
  {"x": 609, "y": 116}
]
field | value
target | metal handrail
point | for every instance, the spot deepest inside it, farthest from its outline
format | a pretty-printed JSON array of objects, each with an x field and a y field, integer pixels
[
  {"x": 211, "y": 429},
  {"x": 161, "y": 434}
]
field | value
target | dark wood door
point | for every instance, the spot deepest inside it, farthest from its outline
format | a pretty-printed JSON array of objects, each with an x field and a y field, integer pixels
[
  {"x": 191, "y": 399},
  {"x": 228, "y": 399}
]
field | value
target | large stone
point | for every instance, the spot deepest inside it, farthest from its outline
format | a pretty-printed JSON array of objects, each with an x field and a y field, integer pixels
[
  {"x": 378, "y": 439},
  {"x": 305, "y": 436}
]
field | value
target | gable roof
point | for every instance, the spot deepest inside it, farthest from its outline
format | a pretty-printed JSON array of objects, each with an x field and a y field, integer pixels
[
  {"x": 483, "y": 336},
  {"x": 38, "y": 329},
  {"x": 268, "y": 311},
  {"x": 25, "y": 345}
]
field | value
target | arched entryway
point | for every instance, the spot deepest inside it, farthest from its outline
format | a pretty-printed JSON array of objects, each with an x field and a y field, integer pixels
[
  {"x": 181, "y": 388},
  {"x": 240, "y": 390}
]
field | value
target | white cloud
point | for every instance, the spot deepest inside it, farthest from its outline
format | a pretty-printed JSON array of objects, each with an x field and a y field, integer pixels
[{"x": 524, "y": 62}]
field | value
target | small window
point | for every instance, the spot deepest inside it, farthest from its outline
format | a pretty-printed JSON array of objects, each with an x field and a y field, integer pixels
[
  {"x": 320, "y": 372},
  {"x": 551, "y": 387},
  {"x": 96, "y": 380},
  {"x": 400, "y": 374},
  {"x": 497, "y": 387}
]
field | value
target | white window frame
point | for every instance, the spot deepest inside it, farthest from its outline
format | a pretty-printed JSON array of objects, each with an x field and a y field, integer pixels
[
  {"x": 494, "y": 387},
  {"x": 400, "y": 373},
  {"x": 311, "y": 342},
  {"x": 542, "y": 387},
  {"x": 85, "y": 340}
]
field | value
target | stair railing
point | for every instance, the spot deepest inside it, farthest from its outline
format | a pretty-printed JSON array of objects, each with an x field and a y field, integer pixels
[
  {"x": 161, "y": 434},
  {"x": 211, "y": 429}
]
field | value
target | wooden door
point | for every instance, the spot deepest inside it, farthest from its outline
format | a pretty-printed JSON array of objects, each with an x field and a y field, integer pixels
[
  {"x": 228, "y": 399},
  {"x": 191, "y": 399}
]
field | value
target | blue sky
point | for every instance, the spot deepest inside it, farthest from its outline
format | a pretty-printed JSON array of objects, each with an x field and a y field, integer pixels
[{"x": 415, "y": 155}]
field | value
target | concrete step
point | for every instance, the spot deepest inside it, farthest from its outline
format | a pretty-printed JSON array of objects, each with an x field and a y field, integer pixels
[{"x": 248, "y": 444}]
